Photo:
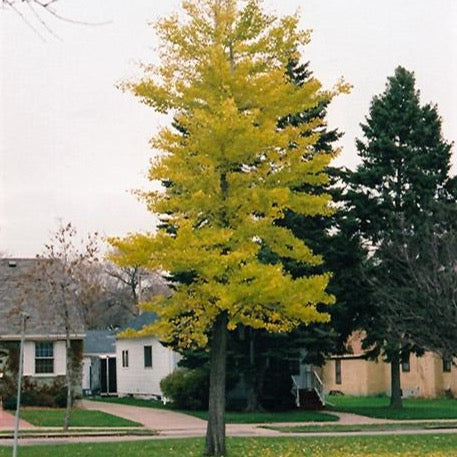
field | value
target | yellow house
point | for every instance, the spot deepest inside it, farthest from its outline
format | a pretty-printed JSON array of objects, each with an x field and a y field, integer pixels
[{"x": 427, "y": 376}]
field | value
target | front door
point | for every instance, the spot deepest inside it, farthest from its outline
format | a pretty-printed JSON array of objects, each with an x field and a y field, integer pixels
[
  {"x": 308, "y": 377},
  {"x": 108, "y": 382}
]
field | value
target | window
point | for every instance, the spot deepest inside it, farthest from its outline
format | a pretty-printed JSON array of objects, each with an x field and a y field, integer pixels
[
  {"x": 125, "y": 359},
  {"x": 405, "y": 365},
  {"x": 44, "y": 357},
  {"x": 147, "y": 356},
  {"x": 337, "y": 371},
  {"x": 447, "y": 365}
]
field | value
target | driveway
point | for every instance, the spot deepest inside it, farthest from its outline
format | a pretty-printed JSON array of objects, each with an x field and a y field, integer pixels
[{"x": 162, "y": 420}]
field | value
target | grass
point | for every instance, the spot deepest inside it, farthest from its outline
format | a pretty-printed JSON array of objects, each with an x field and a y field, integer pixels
[
  {"x": 97, "y": 431},
  {"x": 413, "y": 408},
  {"x": 362, "y": 427},
  {"x": 79, "y": 418},
  {"x": 233, "y": 417},
  {"x": 365, "y": 446},
  {"x": 132, "y": 401}
]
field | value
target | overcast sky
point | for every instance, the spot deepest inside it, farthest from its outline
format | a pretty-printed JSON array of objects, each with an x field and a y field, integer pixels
[{"x": 73, "y": 146}]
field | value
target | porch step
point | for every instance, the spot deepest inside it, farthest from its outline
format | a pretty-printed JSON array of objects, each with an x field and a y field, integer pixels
[{"x": 309, "y": 400}]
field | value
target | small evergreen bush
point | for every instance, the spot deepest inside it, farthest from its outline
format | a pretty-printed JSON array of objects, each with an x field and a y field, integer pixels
[{"x": 188, "y": 389}]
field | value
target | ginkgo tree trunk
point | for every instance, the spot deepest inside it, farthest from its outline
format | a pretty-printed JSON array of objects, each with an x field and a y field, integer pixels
[{"x": 230, "y": 174}]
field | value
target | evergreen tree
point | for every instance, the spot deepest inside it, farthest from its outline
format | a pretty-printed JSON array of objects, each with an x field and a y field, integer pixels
[
  {"x": 335, "y": 238},
  {"x": 404, "y": 174},
  {"x": 401, "y": 185}
]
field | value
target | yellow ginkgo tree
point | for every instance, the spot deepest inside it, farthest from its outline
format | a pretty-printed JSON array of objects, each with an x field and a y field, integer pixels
[{"x": 229, "y": 174}]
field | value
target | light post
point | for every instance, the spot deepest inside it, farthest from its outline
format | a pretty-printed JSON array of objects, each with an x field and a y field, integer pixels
[{"x": 24, "y": 317}]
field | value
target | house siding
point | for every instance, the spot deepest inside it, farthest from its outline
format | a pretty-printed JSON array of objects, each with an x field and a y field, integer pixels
[
  {"x": 420, "y": 381},
  {"x": 60, "y": 358},
  {"x": 358, "y": 376},
  {"x": 86, "y": 374},
  {"x": 136, "y": 379},
  {"x": 363, "y": 377},
  {"x": 450, "y": 380}
]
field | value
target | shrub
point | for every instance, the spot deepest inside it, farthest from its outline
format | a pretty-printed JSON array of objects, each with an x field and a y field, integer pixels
[
  {"x": 53, "y": 395},
  {"x": 188, "y": 389},
  {"x": 60, "y": 397},
  {"x": 276, "y": 393},
  {"x": 9, "y": 402}
]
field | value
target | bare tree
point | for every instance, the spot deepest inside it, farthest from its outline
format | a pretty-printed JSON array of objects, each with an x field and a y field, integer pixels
[
  {"x": 141, "y": 283},
  {"x": 36, "y": 14},
  {"x": 64, "y": 272},
  {"x": 417, "y": 285},
  {"x": 94, "y": 304},
  {"x": 130, "y": 278}
]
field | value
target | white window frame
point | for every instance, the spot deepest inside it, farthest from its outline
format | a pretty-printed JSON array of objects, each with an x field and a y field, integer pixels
[{"x": 44, "y": 357}]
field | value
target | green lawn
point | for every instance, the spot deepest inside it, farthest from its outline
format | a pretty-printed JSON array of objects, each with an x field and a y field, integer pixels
[
  {"x": 374, "y": 446},
  {"x": 79, "y": 418},
  {"x": 266, "y": 417},
  {"x": 412, "y": 409},
  {"x": 324, "y": 428},
  {"x": 236, "y": 417},
  {"x": 131, "y": 401},
  {"x": 75, "y": 431},
  {"x": 366, "y": 406}
]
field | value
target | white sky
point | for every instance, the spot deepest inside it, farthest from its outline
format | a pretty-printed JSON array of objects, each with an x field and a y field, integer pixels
[{"x": 73, "y": 146}]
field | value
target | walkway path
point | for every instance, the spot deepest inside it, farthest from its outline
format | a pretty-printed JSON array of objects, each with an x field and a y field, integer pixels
[{"x": 7, "y": 421}]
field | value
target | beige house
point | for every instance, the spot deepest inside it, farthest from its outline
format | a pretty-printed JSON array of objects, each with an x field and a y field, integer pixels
[{"x": 427, "y": 376}]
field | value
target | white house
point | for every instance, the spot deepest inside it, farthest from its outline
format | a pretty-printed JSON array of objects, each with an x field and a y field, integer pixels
[
  {"x": 142, "y": 362},
  {"x": 45, "y": 355}
]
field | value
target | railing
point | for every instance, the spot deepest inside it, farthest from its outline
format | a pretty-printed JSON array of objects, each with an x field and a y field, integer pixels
[
  {"x": 319, "y": 387},
  {"x": 296, "y": 389},
  {"x": 309, "y": 381}
]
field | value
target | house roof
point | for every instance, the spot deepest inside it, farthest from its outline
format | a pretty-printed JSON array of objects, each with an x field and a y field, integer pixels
[
  {"x": 19, "y": 292},
  {"x": 140, "y": 321},
  {"x": 100, "y": 342}
]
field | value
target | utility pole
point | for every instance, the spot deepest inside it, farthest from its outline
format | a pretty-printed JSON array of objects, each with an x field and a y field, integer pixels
[{"x": 24, "y": 317}]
